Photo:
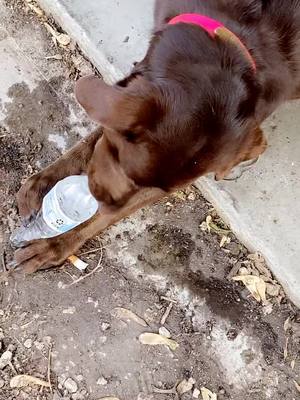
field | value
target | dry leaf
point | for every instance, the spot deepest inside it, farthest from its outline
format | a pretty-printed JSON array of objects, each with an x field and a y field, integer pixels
[
  {"x": 287, "y": 324},
  {"x": 36, "y": 9},
  {"x": 224, "y": 240},
  {"x": 61, "y": 38},
  {"x": 273, "y": 290},
  {"x": 153, "y": 339},
  {"x": 255, "y": 285},
  {"x": 20, "y": 381},
  {"x": 185, "y": 386},
  {"x": 297, "y": 386},
  {"x": 123, "y": 313},
  {"x": 207, "y": 394}
]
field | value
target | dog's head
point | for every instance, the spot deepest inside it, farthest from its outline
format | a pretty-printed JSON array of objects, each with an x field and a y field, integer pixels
[{"x": 178, "y": 116}]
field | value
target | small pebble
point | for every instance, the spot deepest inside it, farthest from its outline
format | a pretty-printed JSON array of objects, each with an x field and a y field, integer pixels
[
  {"x": 105, "y": 326},
  {"x": 5, "y": 359},
  {"x": 70, "y": 385},
  {"x": 196, "y": 393},
  {"x": 102, "y": 381},
  {"x": 164, "y": 332},
  {"x": 28, "y": 343},
  {"x": 2, "y": 383}
]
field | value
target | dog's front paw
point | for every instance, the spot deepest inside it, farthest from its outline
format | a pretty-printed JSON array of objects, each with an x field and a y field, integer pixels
[
  {"x": 43, "y": 254},
  {"x": 31, "y": 194}
]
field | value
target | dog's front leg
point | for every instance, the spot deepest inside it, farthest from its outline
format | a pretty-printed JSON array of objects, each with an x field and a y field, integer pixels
[
  {"x": 45, "y": 253},
  {"x": 74, "y": 162}
]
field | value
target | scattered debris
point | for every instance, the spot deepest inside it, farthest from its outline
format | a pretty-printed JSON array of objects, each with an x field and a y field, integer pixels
[
  {"x": 128, "y": 315},
  {"x": 207, "y": 394},
  {"x": 153, "y": 339},
  {"x": 20, "y": 381},
  {"x": 210, "y": 226},
  {"x": 255, "y": 285},
  {"x": 185, "y": 386}
]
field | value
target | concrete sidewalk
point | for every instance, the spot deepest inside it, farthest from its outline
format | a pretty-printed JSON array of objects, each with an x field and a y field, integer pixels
[{"x": 262, "y": 207}]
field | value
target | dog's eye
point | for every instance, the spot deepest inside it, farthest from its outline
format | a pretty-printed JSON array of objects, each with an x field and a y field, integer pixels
[{"x": 130, "y": 136}]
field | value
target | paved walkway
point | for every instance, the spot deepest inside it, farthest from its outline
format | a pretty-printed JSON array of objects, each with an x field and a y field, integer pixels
[{"x": 263, "y": 206}]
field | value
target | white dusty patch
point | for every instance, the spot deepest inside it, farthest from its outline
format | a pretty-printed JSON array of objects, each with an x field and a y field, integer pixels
[{"x": 59, "y": 141}]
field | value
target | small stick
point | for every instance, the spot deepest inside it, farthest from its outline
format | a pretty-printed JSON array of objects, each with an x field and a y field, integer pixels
[
  {"x": 166, "y": 314},
  {"x": 98, "y": 268},
  {"x": 3, "y": 262},
  {"x": 90, "y": 251},
  {"x": 49, "y": 369},
  {"x": 168, "y": 299}
]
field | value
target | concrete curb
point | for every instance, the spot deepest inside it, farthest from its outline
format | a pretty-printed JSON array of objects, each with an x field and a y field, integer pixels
[
  {"x": 82, "y": 38},
  {"x": 250, "y": 219}
]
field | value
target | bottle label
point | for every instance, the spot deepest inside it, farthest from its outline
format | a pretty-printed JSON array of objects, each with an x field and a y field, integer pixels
[{"x": 54, "y": 216}]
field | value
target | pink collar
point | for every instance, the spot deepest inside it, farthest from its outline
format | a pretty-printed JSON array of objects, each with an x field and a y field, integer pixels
[{"x": 214, "y": 29}]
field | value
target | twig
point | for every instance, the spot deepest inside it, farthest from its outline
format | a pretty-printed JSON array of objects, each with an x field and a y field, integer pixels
[
  {"x": 98, "y": 268},
  {"x": 90, "y": 251},
  {"x": 49, "y": 368},
  {"x": 168, "y": 299},
  {"x": 3, "y": 262},
  {"x": 166, "y": 314}
]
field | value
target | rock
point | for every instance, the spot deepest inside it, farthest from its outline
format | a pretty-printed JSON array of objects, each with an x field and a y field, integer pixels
[
  {"x": 102, "y": 381},
  {"x": 2, "y": 383},
  {"x": 105, "y": 326},
  {"x": 5, "y": 359},
  {"x": 164, "y": 332},
  {"x": 192, "y": 196},
  {"x": 70, "y": 385},
  {"x": 28, "y": 343},
  {"x": 234, "y": 248},
  {"x": 196, "y": 393}
]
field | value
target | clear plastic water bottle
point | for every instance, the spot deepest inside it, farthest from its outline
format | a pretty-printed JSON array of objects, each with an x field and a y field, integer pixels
[{"x": 68, "y": 204}]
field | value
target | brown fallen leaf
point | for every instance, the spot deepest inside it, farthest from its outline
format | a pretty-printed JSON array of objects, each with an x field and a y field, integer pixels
[
  {"x": 127, "y": 315},
  {"x": 255, "y": 285},
  {"x": 153, "y": 339},
  {"x": 185, "y": 386},
  {"x": 207, "y": 394},
  {"x": 20, "y": 381}
]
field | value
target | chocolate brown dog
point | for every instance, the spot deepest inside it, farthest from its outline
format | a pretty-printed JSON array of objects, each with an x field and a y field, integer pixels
[{"x": 194, "y": 105}]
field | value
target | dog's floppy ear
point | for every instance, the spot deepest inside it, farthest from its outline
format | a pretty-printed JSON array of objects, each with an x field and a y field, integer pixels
[{"x": 113, "y": 107}]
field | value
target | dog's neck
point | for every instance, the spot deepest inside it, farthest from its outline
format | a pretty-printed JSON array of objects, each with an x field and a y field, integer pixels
[{"x": 215, "y": 29}]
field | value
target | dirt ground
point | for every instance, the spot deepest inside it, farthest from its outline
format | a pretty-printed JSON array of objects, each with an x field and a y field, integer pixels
[{"x": 165, "y": 264}]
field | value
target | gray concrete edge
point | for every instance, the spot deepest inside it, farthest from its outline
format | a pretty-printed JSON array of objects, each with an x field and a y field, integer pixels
[
  {"x": 220, "y": 199},
  {"x": 71, "y": 26}
]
